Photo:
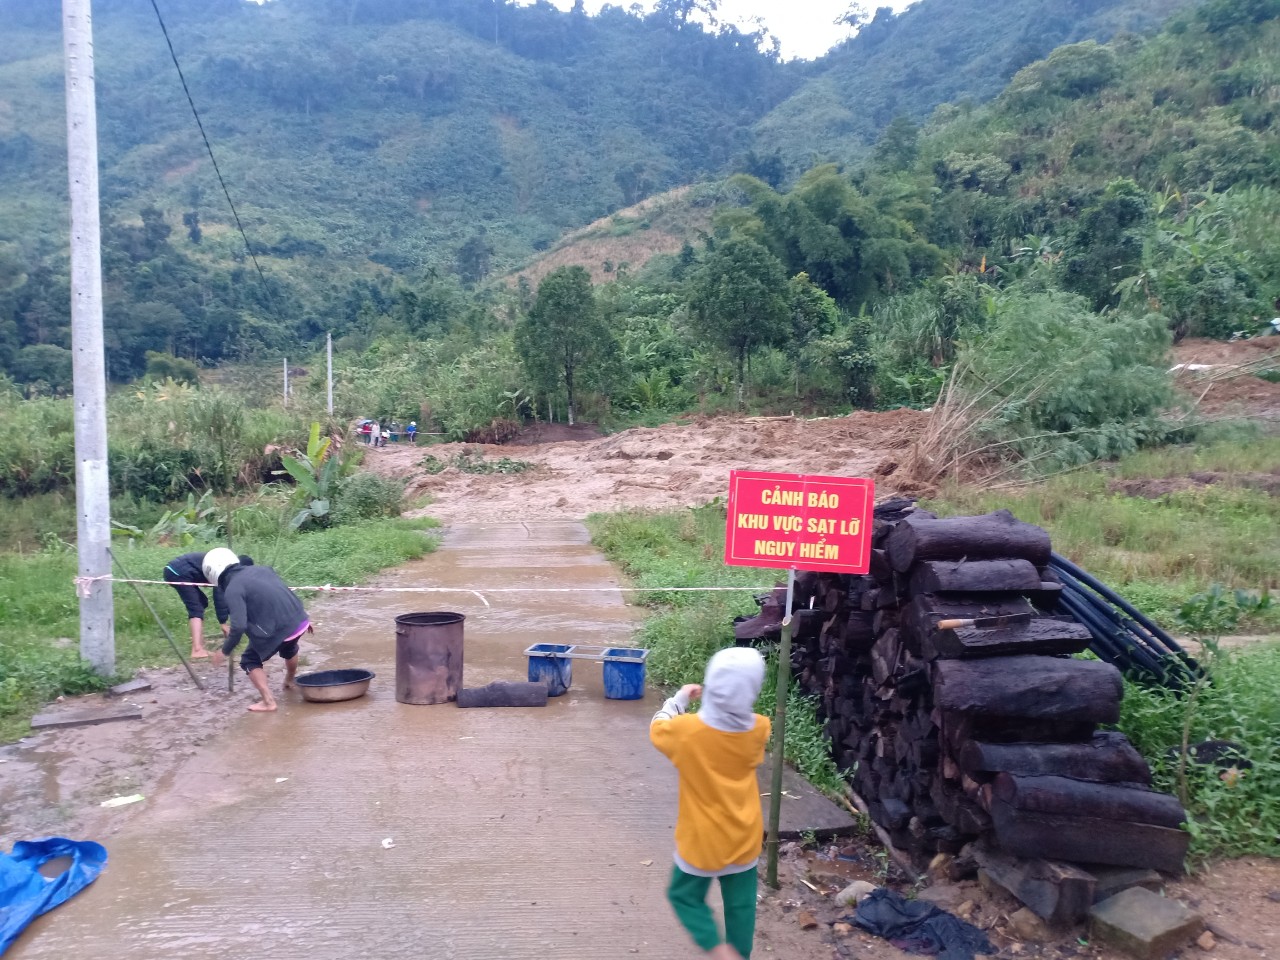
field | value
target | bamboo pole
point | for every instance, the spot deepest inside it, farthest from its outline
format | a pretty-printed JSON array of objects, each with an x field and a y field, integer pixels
[{"x": 779, "y": 735}]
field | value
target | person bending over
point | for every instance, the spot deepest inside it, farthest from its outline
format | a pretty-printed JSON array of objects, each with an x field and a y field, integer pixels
[
  {"x": 719, "y": 824},
  {"x": 265, "y": 610},
  {"x": 184, "y": 571}
]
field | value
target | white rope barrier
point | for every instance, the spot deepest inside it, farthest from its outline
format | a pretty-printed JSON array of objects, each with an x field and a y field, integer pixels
[{"x": 85, "y": 584}]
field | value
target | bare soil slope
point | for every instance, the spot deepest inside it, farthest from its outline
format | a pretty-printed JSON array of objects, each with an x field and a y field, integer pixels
[
  {"x": 669, "y": 466},
  {"x": 1228, "y": 385}
]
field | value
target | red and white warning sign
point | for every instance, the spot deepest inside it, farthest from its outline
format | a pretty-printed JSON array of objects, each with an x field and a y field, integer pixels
[{"x": 801, "y": 521}]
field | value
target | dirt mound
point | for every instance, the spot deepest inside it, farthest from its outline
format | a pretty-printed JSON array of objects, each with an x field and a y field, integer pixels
[
  {"x": 1220, "y": 377},
  {"x": 1153, "y": 488},
  {"x": 1200, "y": 350},
  {"x": 537, "y": 433},
  {"x": 674, "y": 465}
]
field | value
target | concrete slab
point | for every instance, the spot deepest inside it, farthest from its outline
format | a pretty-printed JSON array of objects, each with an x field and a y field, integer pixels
[
  {"x": 1144, "y": 924},
  {"x": 132, "y": 686},
  {"x": 805, "y": 809},
  {"x": 55, "y": 719}
]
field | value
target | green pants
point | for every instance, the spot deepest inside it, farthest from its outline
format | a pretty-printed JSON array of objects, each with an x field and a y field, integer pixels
[{"x": 688, "y": 895}]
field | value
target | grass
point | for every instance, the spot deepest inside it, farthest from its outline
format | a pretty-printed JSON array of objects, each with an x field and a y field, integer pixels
[
  {"x": 469, "y": 462},
  {"x": 39, "y": 612},
  {"x": 1238, "y": 814},
  {"x": 1156, "y": 552},
  {"x": 685, "y": 549}
]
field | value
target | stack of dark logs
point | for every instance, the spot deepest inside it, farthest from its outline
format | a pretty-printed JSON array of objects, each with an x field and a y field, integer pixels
[{"x": 967, "y": 733}]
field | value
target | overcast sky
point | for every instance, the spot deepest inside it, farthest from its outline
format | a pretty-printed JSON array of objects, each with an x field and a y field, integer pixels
[{"x": 806, "y": 28}]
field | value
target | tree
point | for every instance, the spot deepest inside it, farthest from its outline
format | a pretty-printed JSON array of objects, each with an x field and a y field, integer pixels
[
  {"x": 191, "y": 220},
  {"x": 165, "y": 366},
  {"x": 564, "y": 338},
  {"x": 813, "y": 315},
  {"x": 473, "y": 258},
  {"x": 740, "y": 300},
  {"x": 44, "y": 366}
]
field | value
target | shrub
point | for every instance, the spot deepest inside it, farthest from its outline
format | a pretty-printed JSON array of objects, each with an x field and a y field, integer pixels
[
  {"x": 1068, "y": 385},
  {"x": 164, "y": 366},
  {"x": 367, "y": 496}
]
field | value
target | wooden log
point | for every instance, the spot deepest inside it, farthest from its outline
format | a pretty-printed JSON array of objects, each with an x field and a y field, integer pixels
[
  {"x": 1045, "y": 597},
  {"x": 896, "y": 814},
  {"x": 806, "y": 624},
  {"x": 1038, "y": 688},
  {"x": 994, "y": 536},
  {"x": 1107, "y": 801},
  {"x": 503, "y": 693},
  {"x": 886, "y": 598},
  {"x": 1060, "y": 893},
  {"x": 880, "y": 569},
  {"x": 1108, "y": 757},
  {"x": 958, "y": 810},
  {"x": 1117, "y": 843},
  {"x": 921, "y": 615},
  {"x": 974, "y": 576},
  {"x": 958, "y": 729},
  {"x": 1042, "y": 636},
  {"x": 884, "y": 620}
]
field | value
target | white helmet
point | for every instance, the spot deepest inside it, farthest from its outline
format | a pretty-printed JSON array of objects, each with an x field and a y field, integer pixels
[{"x": 216, "y": 562}]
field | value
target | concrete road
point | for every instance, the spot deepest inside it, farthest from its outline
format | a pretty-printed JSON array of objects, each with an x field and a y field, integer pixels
[{"x": 514, "y": 833}]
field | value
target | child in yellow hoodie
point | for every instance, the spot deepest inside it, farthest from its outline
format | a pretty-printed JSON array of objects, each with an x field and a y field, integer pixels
[{"x": 719, "y": 826}]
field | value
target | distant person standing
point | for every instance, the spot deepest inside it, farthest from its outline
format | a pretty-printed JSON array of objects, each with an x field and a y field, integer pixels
[
  {"x": 375, "y": 433},
  {"x": 183, "y": 572},
  {"x": 411, "y": 431},
  {"x": 265, "y": 610}
]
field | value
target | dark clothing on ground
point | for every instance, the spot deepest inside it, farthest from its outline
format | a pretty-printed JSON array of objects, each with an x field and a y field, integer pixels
[
  {"x": 918, "y": 926},
  {"x": 189, "y": 568},
  {"x": 263, "y": 608}
]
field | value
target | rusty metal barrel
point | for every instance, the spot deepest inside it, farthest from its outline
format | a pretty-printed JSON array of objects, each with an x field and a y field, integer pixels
[{"x": 428, "y": 657}]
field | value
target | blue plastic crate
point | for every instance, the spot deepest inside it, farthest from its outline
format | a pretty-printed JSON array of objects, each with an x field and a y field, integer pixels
[
  {"x": 624, "y": 672},
  {"x": 552, "y": 664}
]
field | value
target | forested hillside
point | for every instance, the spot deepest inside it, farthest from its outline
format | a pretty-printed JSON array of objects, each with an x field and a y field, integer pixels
[
  {"x": 934, "y": 53},
  {"x": 372, "y": 141}
]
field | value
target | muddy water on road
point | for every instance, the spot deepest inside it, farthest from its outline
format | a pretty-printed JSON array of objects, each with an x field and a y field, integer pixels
[{"x": 512, "y": 833}]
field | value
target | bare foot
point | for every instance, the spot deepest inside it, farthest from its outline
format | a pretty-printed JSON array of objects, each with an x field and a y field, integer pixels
[
  {"x": 289, "y": 684},
  {"x": 199, "y": 654},
  {"x": 262, "y": 708}
]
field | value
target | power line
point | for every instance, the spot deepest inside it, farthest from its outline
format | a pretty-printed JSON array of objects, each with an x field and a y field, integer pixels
[{"x": 214, "y": 160}]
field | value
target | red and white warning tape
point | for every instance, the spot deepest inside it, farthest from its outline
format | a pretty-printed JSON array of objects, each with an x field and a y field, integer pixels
[{"x": 85, "y": 584}]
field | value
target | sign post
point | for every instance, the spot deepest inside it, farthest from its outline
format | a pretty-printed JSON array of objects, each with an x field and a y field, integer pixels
[{"x": 797, "y": 522}]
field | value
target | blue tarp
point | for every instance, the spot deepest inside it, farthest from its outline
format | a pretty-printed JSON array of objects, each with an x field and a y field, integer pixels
[{"x": 25, "y": 893}]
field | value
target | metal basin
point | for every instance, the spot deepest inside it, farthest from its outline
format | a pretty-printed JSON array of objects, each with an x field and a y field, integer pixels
[{"x": 330, "y": 686}]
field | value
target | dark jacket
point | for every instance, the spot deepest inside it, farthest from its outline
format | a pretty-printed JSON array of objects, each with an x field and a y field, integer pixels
[
  {"x": 262, "y": 607},
  {"x": 189, "y": 568}
]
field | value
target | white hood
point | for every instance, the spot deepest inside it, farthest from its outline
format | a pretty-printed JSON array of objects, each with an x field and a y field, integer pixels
[{"x": 729, "y": 692}]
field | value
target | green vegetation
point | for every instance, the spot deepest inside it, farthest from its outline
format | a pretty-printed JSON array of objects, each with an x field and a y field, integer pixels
[
  {"x": 474, "y": 462},
  {"x": 1154, "y": 547},
  {"x": 1233, "y": 806},
  {"x": 960, "y": 52},
  {"x": 684, "y": 549},
  {"x": 563, "y": 340},
  {"x": 39, "y": 613},
  {"x": 166, "y": 439}
]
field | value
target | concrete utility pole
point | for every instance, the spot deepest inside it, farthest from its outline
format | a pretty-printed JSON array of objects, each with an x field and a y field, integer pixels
[
  {"x": 88, "y": 368},
  {"x": 286, "y": 381},
  {"x": 328, "y": 350}
]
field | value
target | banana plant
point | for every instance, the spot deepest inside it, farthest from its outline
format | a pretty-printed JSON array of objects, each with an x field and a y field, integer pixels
[{"x": 316, "y": 473}]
